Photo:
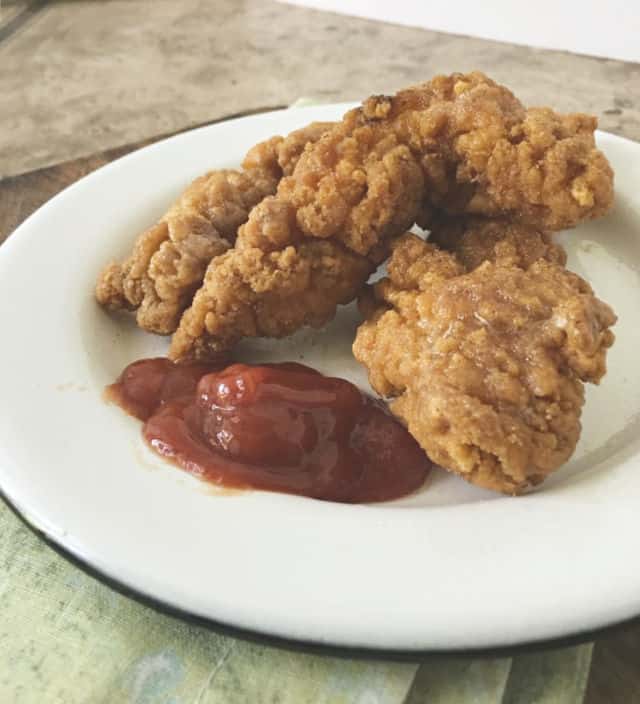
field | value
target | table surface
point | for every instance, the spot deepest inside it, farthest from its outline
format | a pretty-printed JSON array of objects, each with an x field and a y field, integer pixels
[
  {"x": 59, "y": 623},
  {"x": 70, "y": 72}
]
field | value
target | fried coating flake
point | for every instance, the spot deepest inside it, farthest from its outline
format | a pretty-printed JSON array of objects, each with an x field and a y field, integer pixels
[
  {"x": 458, "y": 143},
  {"x": 485, "y": 367},
  {"x": 169, "y": 260},
  {"x": 475, "y": 239},
  {"x": 248, "y": 292}
]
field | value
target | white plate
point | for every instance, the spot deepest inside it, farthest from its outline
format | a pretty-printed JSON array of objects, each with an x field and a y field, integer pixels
[{"x": 452, "y": 567}]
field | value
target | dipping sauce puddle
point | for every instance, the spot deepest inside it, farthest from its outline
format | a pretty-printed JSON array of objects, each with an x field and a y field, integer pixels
[{"x": 280, "y": 427}]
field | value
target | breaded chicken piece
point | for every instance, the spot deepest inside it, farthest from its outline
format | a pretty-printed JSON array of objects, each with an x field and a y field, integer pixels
[
  {"x": 534, "y": 166},
  {"x": 475, "y": 239},
  {"x": 250, "y": 293},
  {"x": 458, "y": 143},
  {"x": 396, "y": 160},
  {"x": 486, "y": 368},
  {"x": 169, "y": 260}
]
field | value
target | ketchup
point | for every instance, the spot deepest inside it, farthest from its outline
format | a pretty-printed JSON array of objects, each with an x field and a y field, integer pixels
[{"x": 280, "y": 427}]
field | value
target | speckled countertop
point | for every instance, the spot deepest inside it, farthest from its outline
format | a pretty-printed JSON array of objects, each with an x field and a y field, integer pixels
[{"x": 70, "y": 75}]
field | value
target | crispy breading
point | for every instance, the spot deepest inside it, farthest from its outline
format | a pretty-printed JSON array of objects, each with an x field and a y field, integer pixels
[
  {"x": 458, "y": 143},
  {"x": 475, "y": 239},
  {"x": 249, "y": 293},
  {"x": 169, "y": 260},
  {"x": 485, "y": 367}
]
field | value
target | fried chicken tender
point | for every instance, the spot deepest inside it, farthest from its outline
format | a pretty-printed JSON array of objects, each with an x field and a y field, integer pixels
[
  {"x": 459, "y": 143},
  {"x": 169, "y": 260},
  {"x": 485, "y": 367},
  {"x": 250, "y": 293},
  {"x": 475, "y": 239},
  {"x": 537, "y": 167}
]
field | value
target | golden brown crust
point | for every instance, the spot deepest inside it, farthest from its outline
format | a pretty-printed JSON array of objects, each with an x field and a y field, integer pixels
[
  {"x": 475, "y": 239},
  {"x": 248, "y": 292},
  {"x": 459, "y": 143},
  {"x": 169, "y": 260},
  {"x": 291, "y": 148},
  {"x": 545, "y": 171},
  {"x": 360, "y": 191},
  {"x": 485, "y": 367}
]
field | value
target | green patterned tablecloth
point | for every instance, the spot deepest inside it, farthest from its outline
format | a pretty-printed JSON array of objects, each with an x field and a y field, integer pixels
[{"x": 65, "y": 638}]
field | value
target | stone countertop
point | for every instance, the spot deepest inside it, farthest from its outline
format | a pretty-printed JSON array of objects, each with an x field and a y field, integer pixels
[{"x": 70, "y": 72}]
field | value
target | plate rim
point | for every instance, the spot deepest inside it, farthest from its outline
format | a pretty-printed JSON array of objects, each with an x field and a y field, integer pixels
[
  {"x": 350, "y": 651},
  {"x": 312, "y": 647}
]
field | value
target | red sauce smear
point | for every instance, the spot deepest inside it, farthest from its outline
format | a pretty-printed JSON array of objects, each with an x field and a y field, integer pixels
[{"x": 280, "y": 427}]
